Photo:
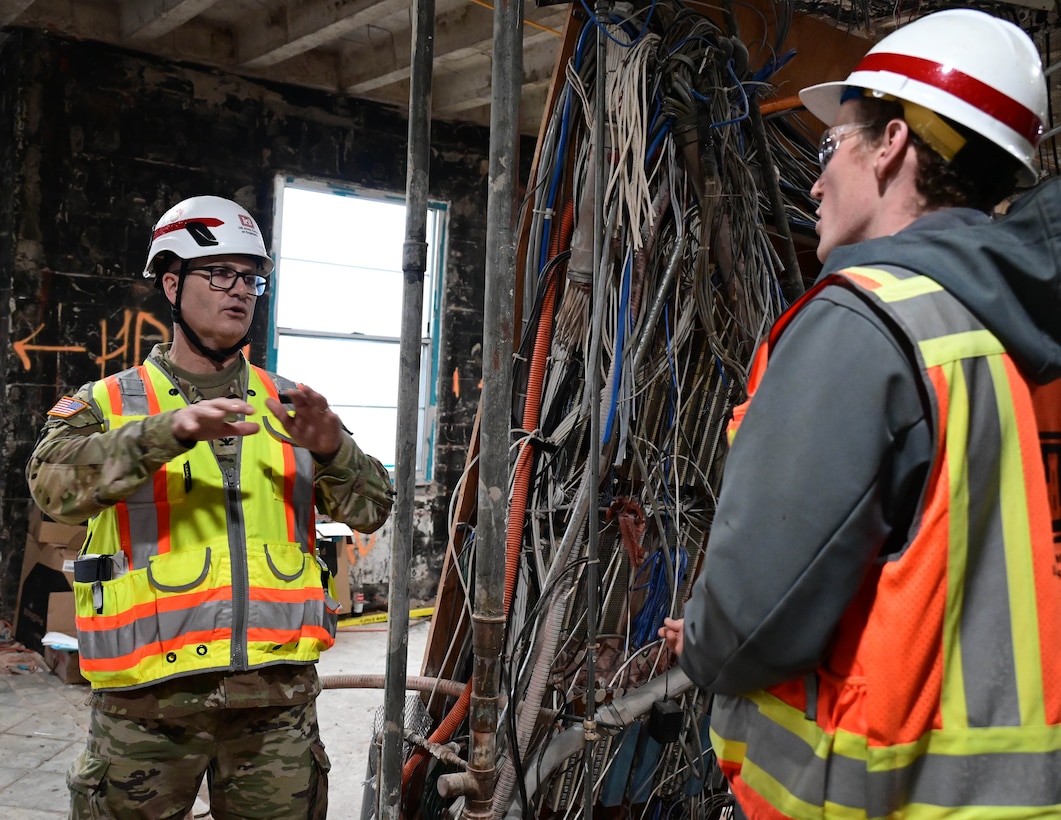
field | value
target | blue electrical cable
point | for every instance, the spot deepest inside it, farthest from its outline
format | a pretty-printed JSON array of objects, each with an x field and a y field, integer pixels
[
  {"x": 561, "y": 150},
  {"x": 657, "y": 601},
  {"x": 771, "y": 68},
  {"x": 620, "y": 340},
  {"x": 744, "y": 99},
  {"x": 664, "y": 129},
  {"x": 621, "y": 21}
]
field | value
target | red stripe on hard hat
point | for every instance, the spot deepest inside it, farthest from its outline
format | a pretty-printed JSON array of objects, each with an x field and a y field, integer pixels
[
  {"x": 967, "y": 89},
  {"x": 209, "y": 221}
]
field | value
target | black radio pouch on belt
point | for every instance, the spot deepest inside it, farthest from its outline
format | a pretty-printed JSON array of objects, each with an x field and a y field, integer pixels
[
  {"x": 94, "y": 569},
  {"x": 89, "y": 568}
]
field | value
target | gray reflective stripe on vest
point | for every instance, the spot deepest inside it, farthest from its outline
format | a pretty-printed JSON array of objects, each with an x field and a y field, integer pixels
[
  {"x": 1015, "y": 779},
  {"x": 284, "y": 617},
  {"x": 140, "y": 504},
  {"x": 156, "y": 628},
  {"x": 165, "y": 626},
  {"x": 134, "y": 393},
  {"x": 302, "y": 497},
  {"x": 931, "y": 309},
  {"x": 988, "y": 667},
  {"x": 981, "y": 686},
  {"x": 302, "y": 490},
  {"x": 992, "y": 670}
]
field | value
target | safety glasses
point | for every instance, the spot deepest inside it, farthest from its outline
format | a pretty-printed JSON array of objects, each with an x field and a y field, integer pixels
[
  {"x": 832, "y": 137},
  {"x": 224, "y": 278}
]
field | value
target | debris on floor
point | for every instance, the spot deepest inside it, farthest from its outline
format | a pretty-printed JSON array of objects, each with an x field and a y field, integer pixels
[{"x": 16, "y": 659}]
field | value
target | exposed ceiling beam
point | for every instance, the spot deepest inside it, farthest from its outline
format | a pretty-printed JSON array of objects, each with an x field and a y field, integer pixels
[
  {"x": 300, "y": 27},
  {"x": 458, "y": 31},
  {"x": 83, "y": 20},
  {"x": 144, "y": 20},
  {"x": 462, "y": 33},
  {"x": 11, "y": 9},
  {"x": 461, "y": 90},
  {"x": 320, "y": 44}
]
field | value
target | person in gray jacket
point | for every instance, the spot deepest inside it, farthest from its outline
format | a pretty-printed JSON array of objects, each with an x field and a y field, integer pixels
[{"x": 881, "y": 570}]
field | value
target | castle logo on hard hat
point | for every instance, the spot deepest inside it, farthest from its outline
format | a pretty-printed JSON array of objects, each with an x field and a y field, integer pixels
[
  {"x": 198, "y": 228},
  {"x": 248, "y": 227}
]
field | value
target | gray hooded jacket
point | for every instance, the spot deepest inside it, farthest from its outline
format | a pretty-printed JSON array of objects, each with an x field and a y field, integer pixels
[{"x": 832, "y": 455}]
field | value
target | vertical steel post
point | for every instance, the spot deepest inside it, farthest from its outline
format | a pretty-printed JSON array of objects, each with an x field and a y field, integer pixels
[
  {"x": 593, "y": 387},
  {"x": 488, "y": 616},
  {"x": 414, "y": 264}
]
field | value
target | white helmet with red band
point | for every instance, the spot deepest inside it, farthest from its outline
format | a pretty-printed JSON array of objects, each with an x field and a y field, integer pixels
[
  {"x": 966, "y": 65},
  {"x": 206, "y": 226}
]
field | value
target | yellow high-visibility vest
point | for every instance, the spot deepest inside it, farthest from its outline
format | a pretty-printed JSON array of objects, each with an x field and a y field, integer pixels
[{"x": 204, "y": 569}]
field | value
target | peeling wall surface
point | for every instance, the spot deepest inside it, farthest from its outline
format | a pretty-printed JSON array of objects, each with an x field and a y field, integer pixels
[{"x": 96, "y": 143}]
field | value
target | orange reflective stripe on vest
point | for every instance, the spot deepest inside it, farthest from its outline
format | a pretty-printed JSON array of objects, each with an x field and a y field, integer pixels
[
  {"x": 220, "y": 570},
  {"x": 939, "y": 695}
]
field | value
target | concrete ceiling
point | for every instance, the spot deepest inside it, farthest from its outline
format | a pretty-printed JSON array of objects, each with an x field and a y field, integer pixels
[
  {"x": 355, "y": 47},
  {"x": 362, "y": 47}
]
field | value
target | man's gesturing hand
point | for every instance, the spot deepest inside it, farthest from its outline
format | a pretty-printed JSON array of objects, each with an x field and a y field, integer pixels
[
  {"x": 214, "y": 418},
  {"x": 313, "y": 424}
]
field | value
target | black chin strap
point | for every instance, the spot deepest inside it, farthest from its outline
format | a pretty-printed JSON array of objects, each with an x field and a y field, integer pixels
[{"x": 218, "y": 356}]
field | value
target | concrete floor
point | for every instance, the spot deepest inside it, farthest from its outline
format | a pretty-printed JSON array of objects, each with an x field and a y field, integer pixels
[{"x": 43, "y": 722}]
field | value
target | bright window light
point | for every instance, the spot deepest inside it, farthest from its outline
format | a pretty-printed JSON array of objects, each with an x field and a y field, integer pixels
[{"x": 337, "y": 308}]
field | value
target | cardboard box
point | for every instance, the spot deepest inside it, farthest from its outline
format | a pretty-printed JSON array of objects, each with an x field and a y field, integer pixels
[
  {"x": 65, "y": 664},
  {"x": 45, "y": 601}
]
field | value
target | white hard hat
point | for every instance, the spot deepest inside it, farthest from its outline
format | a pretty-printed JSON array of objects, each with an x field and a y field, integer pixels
[
  {"x": 206, "y": 226},
  {"x": 975, "y": 69}
]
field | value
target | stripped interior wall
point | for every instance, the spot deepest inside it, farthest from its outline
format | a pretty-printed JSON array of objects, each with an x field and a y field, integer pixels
[{"x": 96, "y": 143}]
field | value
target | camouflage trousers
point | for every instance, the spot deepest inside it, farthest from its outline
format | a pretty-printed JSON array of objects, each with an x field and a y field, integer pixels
[{"x": 265, "y": 762}]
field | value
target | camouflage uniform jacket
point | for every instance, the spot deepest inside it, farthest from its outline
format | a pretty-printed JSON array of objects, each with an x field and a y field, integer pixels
[{"x": 79, "y": 468}]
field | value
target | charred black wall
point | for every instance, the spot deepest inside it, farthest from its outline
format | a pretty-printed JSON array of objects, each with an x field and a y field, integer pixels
[{"x": 96, "y": 143}]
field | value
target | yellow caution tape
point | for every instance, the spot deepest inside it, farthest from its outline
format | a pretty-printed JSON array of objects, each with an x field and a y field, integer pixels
[{"x": 382, "y": 617}]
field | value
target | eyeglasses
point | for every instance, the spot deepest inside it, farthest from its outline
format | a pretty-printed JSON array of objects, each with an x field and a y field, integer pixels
[
  {"x": 222, "y": 278},
  {"x": 831, "y": 138}
]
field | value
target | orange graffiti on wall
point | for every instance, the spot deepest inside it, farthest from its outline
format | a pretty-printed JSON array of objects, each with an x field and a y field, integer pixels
[
  {"x": 23, "y": 346},
  {"x": 359, "y": 545},
  {"x": 130, "y": 341},
  {"x": 132, "y": 354}
]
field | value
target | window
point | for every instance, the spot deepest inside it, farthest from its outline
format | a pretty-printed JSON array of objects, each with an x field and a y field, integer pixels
[{"x": 336, "y": 311}]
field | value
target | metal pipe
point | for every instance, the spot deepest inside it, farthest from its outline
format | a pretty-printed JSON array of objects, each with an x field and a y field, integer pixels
[
  {"x": 414, "y": 265},
  {"x": 589, "y": 725},
  {"x": 488, "y": 618},
  {"x": 616, "y": 715},
  {"x": 648, "y": 332},
  {"x": 415, "y": 683}
]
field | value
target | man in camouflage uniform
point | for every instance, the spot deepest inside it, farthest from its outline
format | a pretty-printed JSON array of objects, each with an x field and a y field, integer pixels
[{"x": 239, "y": 709}]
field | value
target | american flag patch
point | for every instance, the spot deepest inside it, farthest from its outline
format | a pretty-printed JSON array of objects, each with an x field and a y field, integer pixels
[{"x": 67, "y": 406}]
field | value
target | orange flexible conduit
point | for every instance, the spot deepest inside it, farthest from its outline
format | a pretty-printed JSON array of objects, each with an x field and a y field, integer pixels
[
  {"x": 780, "y": 104},
  {"x": 561, "y": 240}
]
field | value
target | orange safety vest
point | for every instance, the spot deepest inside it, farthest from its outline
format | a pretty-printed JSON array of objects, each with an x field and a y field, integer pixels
[
  {"x": 204, "y": 569},
  {"x": 940, "y": 696}
]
